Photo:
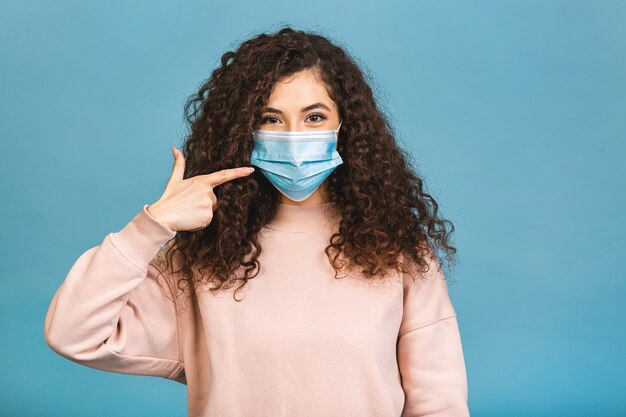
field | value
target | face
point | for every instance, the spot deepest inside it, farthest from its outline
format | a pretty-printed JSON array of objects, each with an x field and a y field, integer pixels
[{"x": 301, "y": 102}]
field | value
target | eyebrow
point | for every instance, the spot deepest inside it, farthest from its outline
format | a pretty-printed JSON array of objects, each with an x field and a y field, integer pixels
[{"x": 304, "y": 109}]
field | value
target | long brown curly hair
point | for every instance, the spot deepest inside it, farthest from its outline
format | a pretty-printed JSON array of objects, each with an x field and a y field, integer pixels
[{"x": 386, "y": 215}]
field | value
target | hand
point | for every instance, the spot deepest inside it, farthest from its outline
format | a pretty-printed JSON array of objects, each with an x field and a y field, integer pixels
[{"x": 188, "y": 204}]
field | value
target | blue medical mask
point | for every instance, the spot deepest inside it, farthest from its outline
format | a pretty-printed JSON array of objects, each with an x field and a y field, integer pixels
[{"x": 296, "y": 162}]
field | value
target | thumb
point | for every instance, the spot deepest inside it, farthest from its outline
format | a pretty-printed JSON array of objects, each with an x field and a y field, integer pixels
[{"x": 178, "y": 170}]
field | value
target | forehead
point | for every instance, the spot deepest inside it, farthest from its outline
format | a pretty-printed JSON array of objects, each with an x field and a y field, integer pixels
[{"x": 299, "y": 90}]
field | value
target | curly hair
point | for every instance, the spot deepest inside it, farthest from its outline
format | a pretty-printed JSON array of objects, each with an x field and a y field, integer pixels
[{"x": 385, "y": 212}]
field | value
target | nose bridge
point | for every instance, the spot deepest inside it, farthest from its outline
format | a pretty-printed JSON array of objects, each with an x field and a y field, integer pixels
[
  {"x": 291, "y": 133},
  {"x": 295, "y": 124}
]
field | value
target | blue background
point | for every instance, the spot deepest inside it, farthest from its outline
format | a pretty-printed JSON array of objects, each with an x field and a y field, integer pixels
[{"x": 514, "y": 110}]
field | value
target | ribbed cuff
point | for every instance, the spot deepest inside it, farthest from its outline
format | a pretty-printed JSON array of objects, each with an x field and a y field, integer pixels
[{"x": 141, "y": 239}]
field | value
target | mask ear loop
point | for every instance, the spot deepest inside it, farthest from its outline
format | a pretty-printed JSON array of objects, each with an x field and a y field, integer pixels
[{"x": 339, "y": 127}]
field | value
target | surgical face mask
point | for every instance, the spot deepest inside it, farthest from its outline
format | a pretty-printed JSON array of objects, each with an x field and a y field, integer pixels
[{"x": 296, "y": 163}]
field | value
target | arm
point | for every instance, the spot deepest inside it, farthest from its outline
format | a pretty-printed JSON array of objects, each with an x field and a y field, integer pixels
[
  {"x": 111, "y": 313},
  {"x": 430, "y": 354}
]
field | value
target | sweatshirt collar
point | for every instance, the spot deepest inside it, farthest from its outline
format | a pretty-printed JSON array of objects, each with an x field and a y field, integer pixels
[{"x": 306, "y": 217}]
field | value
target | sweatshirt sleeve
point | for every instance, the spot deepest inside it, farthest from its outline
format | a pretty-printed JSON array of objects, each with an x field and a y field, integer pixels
[
  {"x": 111, "y": 313},
  {"x": 430, "y": 354}
]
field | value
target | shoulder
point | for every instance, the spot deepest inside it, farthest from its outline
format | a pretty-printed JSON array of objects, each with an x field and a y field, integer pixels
[{"x": 425, "y": 292}]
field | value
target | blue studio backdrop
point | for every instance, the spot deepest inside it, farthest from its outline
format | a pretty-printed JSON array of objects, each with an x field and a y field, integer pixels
[{"x": 513, "y": 110}]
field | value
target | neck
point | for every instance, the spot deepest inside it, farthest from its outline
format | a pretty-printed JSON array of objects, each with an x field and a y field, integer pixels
[{"x": 305, "y": 217}]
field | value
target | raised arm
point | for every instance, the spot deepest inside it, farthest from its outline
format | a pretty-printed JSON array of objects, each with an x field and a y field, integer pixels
[{"x": 113, "y": 312}]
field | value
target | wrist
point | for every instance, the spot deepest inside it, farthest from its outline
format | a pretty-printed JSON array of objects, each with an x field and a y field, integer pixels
[{"x": 153, "y": 211}]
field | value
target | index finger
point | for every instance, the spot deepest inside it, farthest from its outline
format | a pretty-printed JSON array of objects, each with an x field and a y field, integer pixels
[{"x": 220, "y": 177}]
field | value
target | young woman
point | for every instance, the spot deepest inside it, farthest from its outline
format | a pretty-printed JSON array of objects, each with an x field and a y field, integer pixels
[{"x": 310, "y": 285}]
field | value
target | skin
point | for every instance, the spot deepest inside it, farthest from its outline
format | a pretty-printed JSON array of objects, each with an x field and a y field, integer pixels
[{"x": 284, "y": 113}]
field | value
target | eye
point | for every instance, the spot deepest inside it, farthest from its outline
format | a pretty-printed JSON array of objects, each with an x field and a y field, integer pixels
[
  {"x": 268, "y": 117},
  {"x": 318, "y": 115},
  {"x": 314, "y": 115}
]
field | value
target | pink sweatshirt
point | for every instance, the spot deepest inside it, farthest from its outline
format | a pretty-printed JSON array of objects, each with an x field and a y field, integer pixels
[{"x": 301, "y": 343}]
